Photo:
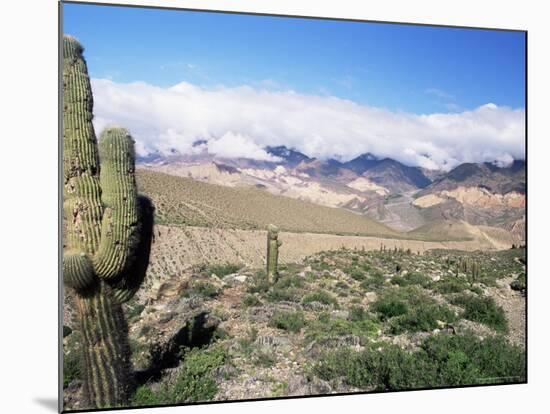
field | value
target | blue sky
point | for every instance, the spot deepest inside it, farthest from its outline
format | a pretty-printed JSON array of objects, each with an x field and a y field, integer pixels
[{"x": 415, "y": 69}]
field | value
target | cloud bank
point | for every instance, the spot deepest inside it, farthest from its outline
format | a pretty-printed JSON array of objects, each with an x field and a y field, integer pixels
[{"x": 241, "y": 121}]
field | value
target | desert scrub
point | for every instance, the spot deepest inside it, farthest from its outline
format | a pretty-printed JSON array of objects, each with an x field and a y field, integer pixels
[
  {"x": 451, "y": 284},
  {"x": 483, "y": 310},
  {"x": 250, "y": 300},
  {"x": 220, "y": 270},
  {"x": 133, "y": 310},
  {"x": 441, "y": 361},
  {"x": 285, "y": 289},
  {"x": 258, "y": 283},
  {"x": 412, "y": 279},
  {"x": 72, "y": 368},
  {"x": 320, "y": 296},
  {"x": 288, "y": 321},
  {"x": 360, "y": 325},
  {"x": 411, "y": 310},
  {"x": 201, "y": 288},
  {"x": 520, "y": 284},
  {"x": 355, "y": 273},
  {"x": 194, "y": 381},
  {"x": 374, "y": 281}
]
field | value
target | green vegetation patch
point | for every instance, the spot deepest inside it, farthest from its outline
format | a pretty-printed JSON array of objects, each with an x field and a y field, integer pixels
[
  {"x": 441, "y": 361},
  {"x": 288, "y": 321},
  {"x": 221, "y": 270},
  {"x": 412, "y": 279},
  {"x": 483, "y": 310},
  {"x": 320, "y": 296},
  {"x": 409, "y": 309},
  {"x": 202, "y": 288},
  {"x": 359, "y": 324},
  {"x": 194, "y": 381}
]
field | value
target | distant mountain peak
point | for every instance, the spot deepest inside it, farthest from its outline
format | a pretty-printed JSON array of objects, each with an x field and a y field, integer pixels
[{"x": 291, "y": 156}]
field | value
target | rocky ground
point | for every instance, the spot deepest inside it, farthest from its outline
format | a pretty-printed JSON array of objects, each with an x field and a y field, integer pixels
[{"x": 223, "y": 332}]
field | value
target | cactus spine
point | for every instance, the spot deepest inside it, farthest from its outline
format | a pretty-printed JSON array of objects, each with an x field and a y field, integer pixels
[
  {"x": 108, "y": 229},
  {"x": 273, "y": 244}
]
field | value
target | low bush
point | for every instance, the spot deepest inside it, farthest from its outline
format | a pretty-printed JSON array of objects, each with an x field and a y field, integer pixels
[
  {"x": 409, "y": 309},
  {"x": 374, "y": 281},
  {"x": 361, "y": 326},
  {"x": 412, "y": 279},
  {"x": 441, "y": 361},
  {"x": 483, "y": 310},
  {"x": 320, "y": 296},
  {"x": 288, "y": 321},
  {"x": 251, "y": 300},
  {"x": 194, "y": 381}
]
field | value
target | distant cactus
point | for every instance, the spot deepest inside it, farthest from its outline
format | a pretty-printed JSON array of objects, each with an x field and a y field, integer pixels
[
  {"x": 108, "y": 231},
  {"x": 273, "y": 244}
]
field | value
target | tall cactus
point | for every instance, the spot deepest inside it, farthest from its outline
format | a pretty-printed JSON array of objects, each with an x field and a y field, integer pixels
[
  {"x": 273, "y": 244},
  {"x": 107, "y": 237}
]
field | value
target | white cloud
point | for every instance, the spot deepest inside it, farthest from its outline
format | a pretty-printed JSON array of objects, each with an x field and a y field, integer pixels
[
  {"x": 232, "y": 145},
  {"x": 242, "y": 120}
]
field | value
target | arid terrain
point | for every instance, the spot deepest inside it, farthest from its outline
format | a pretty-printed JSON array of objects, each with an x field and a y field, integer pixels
[{"x": 358, "y": 306}]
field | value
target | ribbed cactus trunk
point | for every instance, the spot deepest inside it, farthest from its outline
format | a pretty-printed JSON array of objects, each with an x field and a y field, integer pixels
[
  {"x": 273, "y": 244},
  {"x": 108, "y": 229}
]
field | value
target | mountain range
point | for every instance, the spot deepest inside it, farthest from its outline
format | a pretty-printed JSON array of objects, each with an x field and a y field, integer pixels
[{"x": 400, "y": 196}]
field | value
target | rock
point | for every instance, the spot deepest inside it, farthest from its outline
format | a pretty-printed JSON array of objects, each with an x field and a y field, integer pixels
[
  {"x": 316, "y": 306},
  {"x": 267, "y": 343},
  {"x": 241, "y": 278},
  {"x": 339, "y": 314},
  {"x": 315, "y": 348},
  {"x": 300, "y": 385},
  {"x": 370, "y": 297}
]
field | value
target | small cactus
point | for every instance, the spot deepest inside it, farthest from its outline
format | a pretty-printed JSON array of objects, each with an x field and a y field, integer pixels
[
  {"x": 273, "y": 244},
  {"x": 107, "y": 236}
]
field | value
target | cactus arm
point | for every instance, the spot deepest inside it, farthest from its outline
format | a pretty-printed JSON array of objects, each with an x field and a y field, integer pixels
[
  {"x": 119, "y": 229},
  {"x": 125, "y": 288},
  {"x": 82, "y": 204},
  {"x": 78, "y": 271}
]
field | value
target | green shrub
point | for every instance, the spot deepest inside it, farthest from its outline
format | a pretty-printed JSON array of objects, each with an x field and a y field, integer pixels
[
  {"x": 409, "y": 309},
  {"x": 451, "y": 284},
  {"x": 441, "y": 361},
  {"x": 412, "y": 279},
  {"x": 361, "y": 326},
  {"x": 251, "y": 300},
  {"x": 259, "y": 283},
  {"x": 204, "y": 289},
  {"x": 422, "y": 318},
  {"x": 355, "y": 273},
  {"x": 289, "y": 281},
  {"x": 483, "y": 310},
  {"x": 72, "y": 368},
  {"x": 320, "y": 296},
  {"x": 134, "y": 311},
  {"x": 373, "y": 281},
  {"x": 195, "y": 382},
  {"x": 145, "y": 396},
  {"x": 283, "y": 295},
  {"x": 288, "y": 321},
  {"x": 388, "y": 307}
]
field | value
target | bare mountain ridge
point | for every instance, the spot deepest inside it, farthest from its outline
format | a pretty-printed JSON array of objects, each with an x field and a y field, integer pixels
[{"x": 384, "y": 189}]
